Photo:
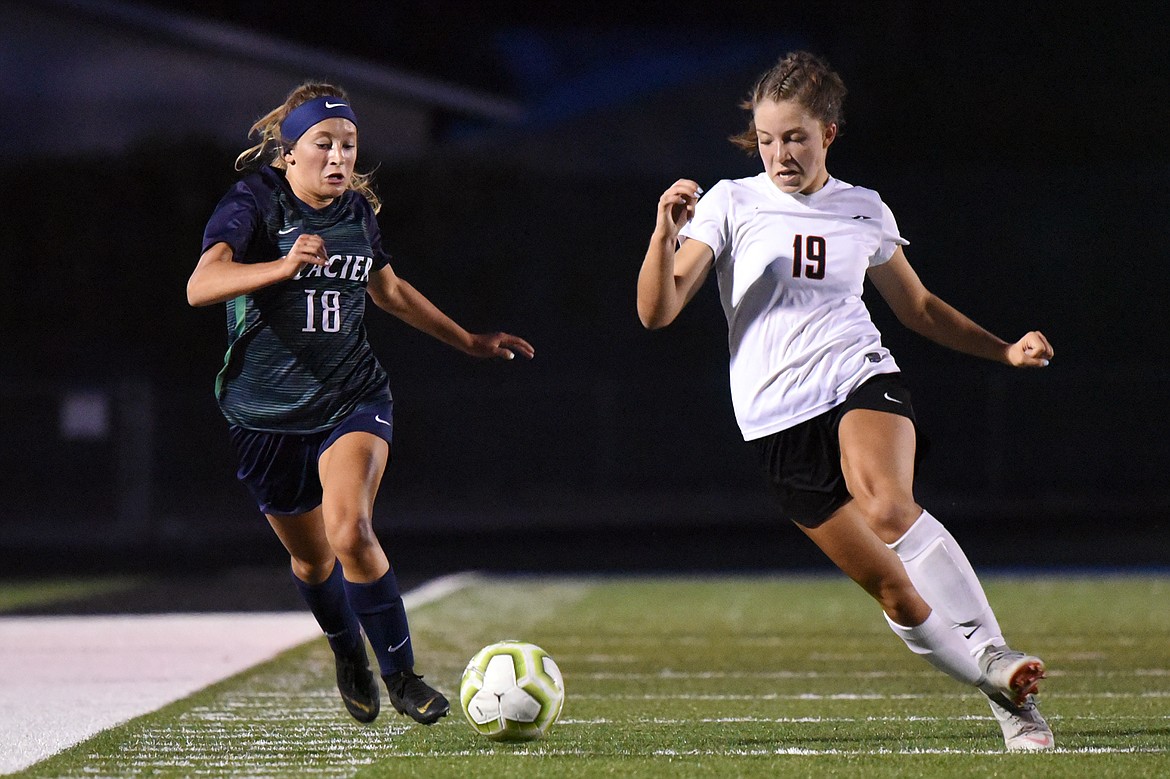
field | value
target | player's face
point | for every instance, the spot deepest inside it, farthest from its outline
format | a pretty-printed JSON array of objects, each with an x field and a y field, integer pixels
[
  {"x": 320, "y": 165},
  {"x": 793, "y": 145}
]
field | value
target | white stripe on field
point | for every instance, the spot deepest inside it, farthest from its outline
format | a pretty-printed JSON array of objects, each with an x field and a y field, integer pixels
[
  {"x": 431, "y": 591},
  {"x": 64, "y": 679},
  {"x": 670, "y": 674},
  {"x": 801, "y": 696},
  {"x": 833, "y": 720},
  {"x": 505, "y": 751},
  {"x": 803, "y": 752},
  {"x": 846, "y": 696},
  {"x": 787, "y": 720}
]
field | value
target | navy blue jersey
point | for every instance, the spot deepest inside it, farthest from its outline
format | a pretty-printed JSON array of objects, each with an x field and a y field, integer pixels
[{"x": 297, "y": 359}]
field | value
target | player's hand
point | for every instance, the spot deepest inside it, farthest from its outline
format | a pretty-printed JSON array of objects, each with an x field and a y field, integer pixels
[
  {"x": 676, "y": 207},
  {"x": 1031, "y": 351},
  {"x": 307, "y": 250},
  {"x": 500, "y": 345}
]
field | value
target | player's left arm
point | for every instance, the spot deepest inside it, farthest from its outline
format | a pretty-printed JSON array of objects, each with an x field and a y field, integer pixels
[
  {"x": 929, "y": 315},
  {"x": 399, "y": 298}
]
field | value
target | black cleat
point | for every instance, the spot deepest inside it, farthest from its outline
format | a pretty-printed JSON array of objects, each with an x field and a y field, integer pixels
[
  {"x": 415, "y": 698},
  {"x": 358, "y": 687}
]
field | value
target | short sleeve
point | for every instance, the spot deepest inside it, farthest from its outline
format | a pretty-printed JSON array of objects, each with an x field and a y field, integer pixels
[
  {"x": 710, "y": 223},
  {"x": 234, "y": 221},
  {"x": 374, "y": 233},
  {"x": 891, "y": 238}
]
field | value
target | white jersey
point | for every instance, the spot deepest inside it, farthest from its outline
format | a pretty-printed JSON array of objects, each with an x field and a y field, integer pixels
[{"x": 791, "y": 270}]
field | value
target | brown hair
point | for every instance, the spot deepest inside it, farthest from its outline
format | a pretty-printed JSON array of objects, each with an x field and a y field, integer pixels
[
  {"x": 803, "y": 78},
  {"x": 271, "y": 148}
]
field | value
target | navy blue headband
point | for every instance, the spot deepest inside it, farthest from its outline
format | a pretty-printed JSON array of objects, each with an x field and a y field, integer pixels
[{"x": 310, "y": 112}]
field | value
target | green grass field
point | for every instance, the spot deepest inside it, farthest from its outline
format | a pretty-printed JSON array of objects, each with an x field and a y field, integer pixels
[{"x": 687, "y": 677}]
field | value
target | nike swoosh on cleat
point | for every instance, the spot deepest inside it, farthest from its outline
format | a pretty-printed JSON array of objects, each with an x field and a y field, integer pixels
[
  {"x": 399, "y": 646},
  {"x": 1027, "y": 742},
  {"x": 358, "y": 704},
  {"x": 423, "y": 709}
]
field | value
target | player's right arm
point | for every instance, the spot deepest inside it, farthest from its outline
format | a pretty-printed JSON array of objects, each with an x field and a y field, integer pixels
[
  {"x": 218, "y": 278},
  {"x": 671, "y": 274}
]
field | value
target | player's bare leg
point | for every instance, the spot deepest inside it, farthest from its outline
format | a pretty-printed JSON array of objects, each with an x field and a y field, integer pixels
[
  {"x": 351, "y": 470},
  {"x": 847, "y": 539},
  {"x": 878, "y": 462},
  {"x": 303, "y": 536},
  {"x": 853, "y": 547}
]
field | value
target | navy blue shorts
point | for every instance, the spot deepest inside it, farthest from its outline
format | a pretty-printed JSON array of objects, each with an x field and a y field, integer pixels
[
  {"x": 803, "y": 463},
  {"x": 280, "y": 469}
]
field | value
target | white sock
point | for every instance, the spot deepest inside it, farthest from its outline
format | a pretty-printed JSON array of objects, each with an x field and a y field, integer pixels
[
  {"x": 940, "y": 646},
  {"x": 945, "y": 579}
]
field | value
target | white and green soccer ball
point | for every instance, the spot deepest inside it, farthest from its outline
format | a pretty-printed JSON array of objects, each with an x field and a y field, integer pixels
[{"x": 512, "y": 691}]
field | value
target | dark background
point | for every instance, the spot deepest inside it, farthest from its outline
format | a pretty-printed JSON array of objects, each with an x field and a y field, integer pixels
[{"x": 1023, "y": 153}]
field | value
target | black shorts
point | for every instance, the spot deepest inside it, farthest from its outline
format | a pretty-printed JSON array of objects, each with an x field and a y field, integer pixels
[
  {"x": 280, "y": 469},
  {"x": 803, "y": 463}
]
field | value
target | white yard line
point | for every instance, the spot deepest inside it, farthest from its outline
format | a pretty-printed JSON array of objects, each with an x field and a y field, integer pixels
[{"x": 64, "y": 679}]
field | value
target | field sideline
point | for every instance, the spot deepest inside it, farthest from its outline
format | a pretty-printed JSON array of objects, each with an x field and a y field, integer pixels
[{"x": 695, "y": 676}]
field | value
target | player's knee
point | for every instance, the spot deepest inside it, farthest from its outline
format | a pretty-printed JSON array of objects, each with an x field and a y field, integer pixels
[
  {"x": 312, "y": 570},
  {"x": 888, "y": 515},
  {"x": 351, "y": 534}
]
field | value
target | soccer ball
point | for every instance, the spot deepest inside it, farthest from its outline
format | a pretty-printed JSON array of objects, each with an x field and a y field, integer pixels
[{"x": 512, "y": 691}]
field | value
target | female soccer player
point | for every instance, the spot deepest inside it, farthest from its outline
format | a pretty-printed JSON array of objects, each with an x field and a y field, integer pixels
[
  {"x": 293, "y": 249},
  {"x": 814, "y": 390}
]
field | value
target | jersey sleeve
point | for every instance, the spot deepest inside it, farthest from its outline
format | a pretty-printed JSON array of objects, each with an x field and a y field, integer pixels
[
  {"x": 374, "y": 233},
  {"x": 234, "y": 221},
  {"x": 891, "y": 238},
  {"x": 710, "y": 223}
]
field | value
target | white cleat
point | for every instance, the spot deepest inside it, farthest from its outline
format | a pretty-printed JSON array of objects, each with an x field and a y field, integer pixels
[
  {"x": 1024, "y": 730},
  {"x": 1009, "y": 677}
]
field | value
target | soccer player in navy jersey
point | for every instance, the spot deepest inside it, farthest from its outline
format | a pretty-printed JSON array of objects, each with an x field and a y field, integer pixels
[
  {"x": 293, "y": 249},
  {"x": 814, "y": 390}
]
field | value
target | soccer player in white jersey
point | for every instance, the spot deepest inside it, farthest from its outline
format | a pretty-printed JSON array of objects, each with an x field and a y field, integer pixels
[{"x": 814, "y": 390}]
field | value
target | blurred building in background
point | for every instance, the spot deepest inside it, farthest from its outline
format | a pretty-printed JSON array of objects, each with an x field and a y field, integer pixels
[{"x": 523, "y": 202}]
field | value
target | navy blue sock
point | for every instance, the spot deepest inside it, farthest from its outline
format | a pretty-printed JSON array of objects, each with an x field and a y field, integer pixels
[
  {"x": 382, "y": 613},
  {"x": 331, "y": 608}
]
